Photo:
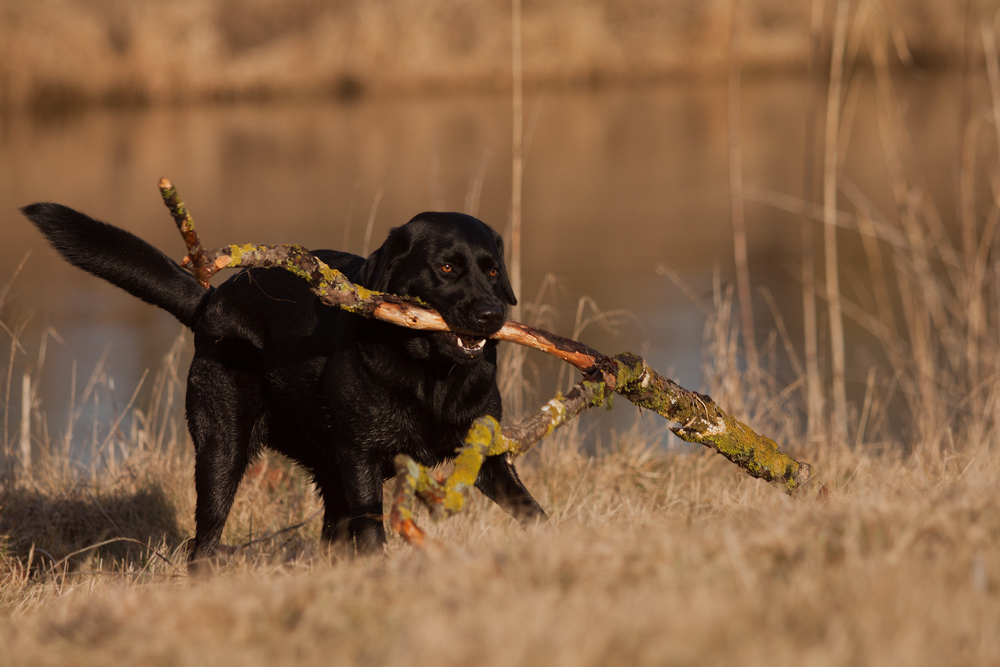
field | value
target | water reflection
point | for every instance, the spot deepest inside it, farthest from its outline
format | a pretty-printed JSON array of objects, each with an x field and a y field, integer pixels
[{"x": 617, "y": 182}]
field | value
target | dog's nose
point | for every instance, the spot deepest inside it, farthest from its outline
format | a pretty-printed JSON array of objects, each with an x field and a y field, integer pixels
[{"x": 490, "y": 316}]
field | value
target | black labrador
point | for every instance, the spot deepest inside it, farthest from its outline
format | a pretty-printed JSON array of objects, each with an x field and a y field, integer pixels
[{"x": 340, "y": 394}]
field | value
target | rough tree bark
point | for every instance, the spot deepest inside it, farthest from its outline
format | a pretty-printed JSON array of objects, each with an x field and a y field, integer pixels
[{"x": 701, "y": 420}]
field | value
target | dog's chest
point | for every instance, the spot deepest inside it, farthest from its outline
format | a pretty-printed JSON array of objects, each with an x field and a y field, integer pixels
[{"x": 426, "y": 419}]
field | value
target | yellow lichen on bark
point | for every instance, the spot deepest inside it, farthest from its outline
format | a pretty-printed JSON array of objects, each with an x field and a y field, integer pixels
[{"x": 703, "y": 422}]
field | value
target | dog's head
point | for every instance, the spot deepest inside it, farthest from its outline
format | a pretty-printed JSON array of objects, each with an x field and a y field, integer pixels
[{"x": 454, "y": 263}]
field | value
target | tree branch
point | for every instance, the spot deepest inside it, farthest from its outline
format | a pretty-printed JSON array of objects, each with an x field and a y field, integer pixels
[
  {"x": 700, "y": 419},
  {"x": 185, "y": 224}
]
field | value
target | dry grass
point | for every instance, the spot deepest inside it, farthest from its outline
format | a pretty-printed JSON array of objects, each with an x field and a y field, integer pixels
[
  {"x": 58, "y": 54},
  {"x": 648, "y": 559}
]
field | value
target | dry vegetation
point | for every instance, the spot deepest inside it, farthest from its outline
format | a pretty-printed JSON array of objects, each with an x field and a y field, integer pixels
[
  {"x": 56, "y": 54},
  {"x": 650, "y": 557}
]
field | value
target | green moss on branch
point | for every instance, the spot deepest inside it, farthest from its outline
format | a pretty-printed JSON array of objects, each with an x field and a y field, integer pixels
[{"x": 705, "y": 423}]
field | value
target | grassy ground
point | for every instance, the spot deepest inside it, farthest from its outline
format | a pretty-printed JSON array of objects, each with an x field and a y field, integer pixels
[{"x": 648, "y": 559}]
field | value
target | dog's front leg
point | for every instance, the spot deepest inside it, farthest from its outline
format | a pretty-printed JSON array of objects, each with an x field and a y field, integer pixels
[{"x": 363, "y": 507}]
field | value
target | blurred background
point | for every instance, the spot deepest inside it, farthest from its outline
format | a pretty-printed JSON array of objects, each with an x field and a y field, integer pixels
[
  {"x": 59, "y": 53},
  {"x": 327, "y": 123}
]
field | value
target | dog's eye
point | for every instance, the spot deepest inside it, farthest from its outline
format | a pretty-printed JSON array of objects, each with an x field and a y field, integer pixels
[
  {"x": 493, "y": 273},
  {"x": 446, "y": 268}
]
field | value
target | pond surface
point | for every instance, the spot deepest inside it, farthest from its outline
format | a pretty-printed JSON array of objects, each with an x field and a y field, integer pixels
[{"x": 617, "y": 182}]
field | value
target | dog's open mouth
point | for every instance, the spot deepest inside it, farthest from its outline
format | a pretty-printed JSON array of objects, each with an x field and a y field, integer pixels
[{"x": 466, "y": 343}]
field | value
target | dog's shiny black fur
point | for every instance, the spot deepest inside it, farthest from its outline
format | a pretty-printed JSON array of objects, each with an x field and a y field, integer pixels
[{"x": 340, "y": 394}]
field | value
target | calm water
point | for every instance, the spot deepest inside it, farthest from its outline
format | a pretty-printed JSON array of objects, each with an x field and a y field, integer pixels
[{"x": 617, "y": 182}]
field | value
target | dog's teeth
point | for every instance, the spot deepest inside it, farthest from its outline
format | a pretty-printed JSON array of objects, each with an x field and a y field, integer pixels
[{"x": 470, "y": 345}]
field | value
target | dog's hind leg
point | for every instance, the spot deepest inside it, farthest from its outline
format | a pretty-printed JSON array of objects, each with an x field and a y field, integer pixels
[{"x": 227, "y": 424}]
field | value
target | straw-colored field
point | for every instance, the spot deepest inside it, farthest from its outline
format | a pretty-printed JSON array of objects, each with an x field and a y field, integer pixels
[{"x": 649, "y": 558}]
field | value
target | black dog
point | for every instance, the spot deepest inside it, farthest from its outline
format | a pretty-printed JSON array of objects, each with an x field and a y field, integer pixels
[{"x": 340, "y": 394}]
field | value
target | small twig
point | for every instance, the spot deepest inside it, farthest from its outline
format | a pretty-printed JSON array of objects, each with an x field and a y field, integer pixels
[
  {"x": 39, "y": 550},
  {"x": 65, "y": 559},
  {"x": 273, "y": 534},
  {"x": 186, "y": 226},
  {"x": 96, "y": 573}
]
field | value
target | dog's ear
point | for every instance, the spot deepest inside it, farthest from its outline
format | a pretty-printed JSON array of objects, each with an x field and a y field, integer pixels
[
  {"x": 377, "y": 270},
  {"x": 508, "y": 291}
]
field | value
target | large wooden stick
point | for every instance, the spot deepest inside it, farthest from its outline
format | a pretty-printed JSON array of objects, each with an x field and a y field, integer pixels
[{"x": 700, "y": 419}]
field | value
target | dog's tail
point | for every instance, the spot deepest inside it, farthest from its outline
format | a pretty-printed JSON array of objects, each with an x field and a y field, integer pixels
[{"x": 121, "y": 258}]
